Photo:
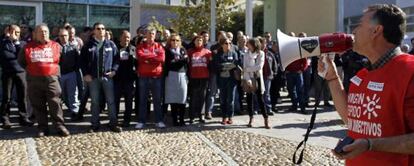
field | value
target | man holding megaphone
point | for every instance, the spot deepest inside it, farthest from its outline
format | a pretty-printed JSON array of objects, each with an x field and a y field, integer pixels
[{"x": 379, "y": 108}]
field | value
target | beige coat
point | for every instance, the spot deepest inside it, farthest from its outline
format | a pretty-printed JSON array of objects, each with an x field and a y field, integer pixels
[{"x": 253, "y": 64}]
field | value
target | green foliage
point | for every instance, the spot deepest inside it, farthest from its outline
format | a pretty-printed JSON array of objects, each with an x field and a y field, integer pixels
[
  {"x": 196, "y": 18},
  {"x": 155, "y": 24},
  {"x": 240, "y": 19}
]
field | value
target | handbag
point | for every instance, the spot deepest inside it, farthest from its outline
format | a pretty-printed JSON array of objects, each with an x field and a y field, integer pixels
[
  {"x": 237, "y": 73},
  {"x": 249, "y": 86}
]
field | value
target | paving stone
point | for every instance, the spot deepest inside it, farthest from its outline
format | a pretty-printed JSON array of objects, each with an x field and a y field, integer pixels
[
  {"x": 252, "y": 149},
  {"x": 13, "y": 152}
]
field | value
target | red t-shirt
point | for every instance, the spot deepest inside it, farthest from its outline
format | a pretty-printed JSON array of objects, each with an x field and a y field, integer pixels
[
  {"x": 199, "y": 60},
  {"x": 380, "y": 105},
  {"x": 42, "y": 59}
]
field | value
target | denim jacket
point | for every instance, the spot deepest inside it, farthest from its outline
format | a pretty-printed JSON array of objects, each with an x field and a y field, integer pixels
[{"x": 90, "y": 55}]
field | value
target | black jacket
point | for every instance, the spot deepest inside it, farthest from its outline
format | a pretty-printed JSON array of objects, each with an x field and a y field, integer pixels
[
  {"x": 9, "y": 51},
  {"x": 175, "y": 62},
  {"x": 69, "y": 59},
  {"x": 127, "y": 64},
  {"x": 221, "y": 60}
]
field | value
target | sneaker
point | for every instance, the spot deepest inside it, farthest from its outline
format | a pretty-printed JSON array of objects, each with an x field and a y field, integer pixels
[
  {"x": 94, "y": 129},
  {"x": 139, "y": 126},
  {"x": 25, "y": 122},
  {"x": 42, "y": 133},
  {"x": 208, "y": 116},
  {"x": 6, "y": 124},
  {"x": 63, "y": 131},
  {"x": 115, "y": 129},
  {"x": 160, "y": 125}
]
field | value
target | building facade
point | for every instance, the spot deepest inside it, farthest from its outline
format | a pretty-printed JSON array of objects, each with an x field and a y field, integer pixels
[
  {"x": 80, "y": 13},
  {"x": 117, "y": 15},
  {"x": 314, "y": 18}
]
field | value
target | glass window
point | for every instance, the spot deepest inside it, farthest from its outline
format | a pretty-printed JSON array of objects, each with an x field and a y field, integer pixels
[
  {"x": 114, "y": 18},
  {"x": 73, "y": 1},
  {"x": 17, "y": 15},
  {"x": 410, "y": 19},
  {"x": 410, "y": 28},
  {"x": 110, "y": 2},
  {"x": 56, "y": 14},
  {"x": 409, "y": 10}
]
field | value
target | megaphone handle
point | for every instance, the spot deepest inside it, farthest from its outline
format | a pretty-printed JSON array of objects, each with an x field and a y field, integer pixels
[{"x": 331, "y": 56}]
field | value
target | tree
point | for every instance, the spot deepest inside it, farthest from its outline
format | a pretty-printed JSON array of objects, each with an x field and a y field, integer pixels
[
  {"x": 240, "y": 17},
  {"x": 196, "y": 18},
  {"x": 155, "y": 24}
]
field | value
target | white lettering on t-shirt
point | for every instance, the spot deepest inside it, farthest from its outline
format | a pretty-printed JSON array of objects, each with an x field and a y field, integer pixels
[
  {"x": 42, "y": 55},
  {"x": 364, "y": 127},
  {"x": 199, "y": 62}
]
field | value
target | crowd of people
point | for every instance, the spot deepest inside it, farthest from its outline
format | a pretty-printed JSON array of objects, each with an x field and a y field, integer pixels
[
  {"x": 373, "y": 92},
  {"x": 158, "y": 67}
]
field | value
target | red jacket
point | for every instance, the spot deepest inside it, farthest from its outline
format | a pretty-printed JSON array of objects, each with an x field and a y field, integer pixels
[
  {"x": 299, "y": 65},
  {"x": 42, "y": 59},
  {"x": 376, "y": 109},
  {"x": 199, "y": 60},
  {"x": 151, "y": 58}
]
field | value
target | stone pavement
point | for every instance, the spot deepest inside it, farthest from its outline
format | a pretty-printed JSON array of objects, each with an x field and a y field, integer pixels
[{"x": 197, "y": 144}]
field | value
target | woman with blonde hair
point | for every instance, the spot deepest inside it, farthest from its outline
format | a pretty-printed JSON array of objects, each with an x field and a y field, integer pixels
[{"x": 176, "y": 60}]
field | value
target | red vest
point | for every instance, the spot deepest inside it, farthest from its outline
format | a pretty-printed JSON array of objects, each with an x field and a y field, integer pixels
[
  {"x": 375, "y": 108},
  {"x": 42, "y": 59}
]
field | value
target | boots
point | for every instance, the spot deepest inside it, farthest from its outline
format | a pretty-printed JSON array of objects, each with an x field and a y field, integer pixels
[
  {"x": 250, "y": 122},
  {"x": 181, "y": 113},
  {"x": 174, "y": 115},
  {"x": 266, "y": 123}
]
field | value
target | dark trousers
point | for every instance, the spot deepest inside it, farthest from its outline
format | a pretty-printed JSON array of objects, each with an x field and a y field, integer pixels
[
  {"x": 227, "y": 86},
  {"x": 198, "y": 89},
  {"x": 177, "y": 113},
  {"x": 124, "y": 88},
  {"x": 260, "y": 101},
  {"x": 19, "y": 81},
  {"x": 277, "y": 84},
  {"x": 43, "y": 92}
]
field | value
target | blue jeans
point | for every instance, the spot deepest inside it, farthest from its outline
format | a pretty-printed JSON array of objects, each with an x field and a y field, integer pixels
[
  {"x": 295, "y": 87},
  {"x": 107, "y": 85},
  {"x": 227, "y": 88},
  {"x": 266, "y": 95},
  {"x": 147, "y": 84},
  {"x": 211, "y": 93},
  {"x": 68, "y": 83}
]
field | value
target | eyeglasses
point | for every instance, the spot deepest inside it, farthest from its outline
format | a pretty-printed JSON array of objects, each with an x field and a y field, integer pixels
[{"x": 100, "y": 28}]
